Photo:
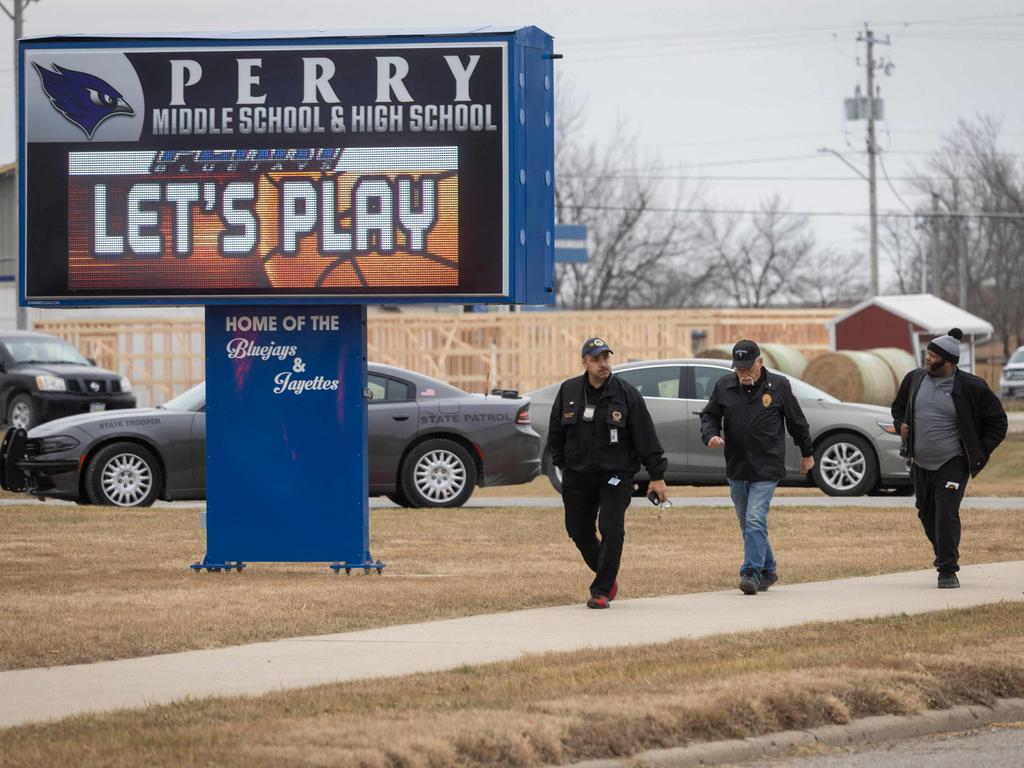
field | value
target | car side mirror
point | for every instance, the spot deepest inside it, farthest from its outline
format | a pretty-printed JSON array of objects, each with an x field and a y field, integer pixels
[{"x": 92, "y": 361}]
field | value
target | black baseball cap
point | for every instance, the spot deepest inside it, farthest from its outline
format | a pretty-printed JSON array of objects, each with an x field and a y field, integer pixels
[
  {"x": 745, "y": 353},
  {"x": 594, "y": 346}
]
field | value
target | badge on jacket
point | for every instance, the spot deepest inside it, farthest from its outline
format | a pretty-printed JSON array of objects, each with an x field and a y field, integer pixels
[{"x": 766, "y": 400}]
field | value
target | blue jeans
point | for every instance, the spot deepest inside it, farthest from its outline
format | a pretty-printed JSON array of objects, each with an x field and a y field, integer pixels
[{"x": 752, "y": 500}]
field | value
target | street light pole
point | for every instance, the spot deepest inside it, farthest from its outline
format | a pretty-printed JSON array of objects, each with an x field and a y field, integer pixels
[
  {"x": 20, "y": 315},
  {"x": 872, "y": 189}
]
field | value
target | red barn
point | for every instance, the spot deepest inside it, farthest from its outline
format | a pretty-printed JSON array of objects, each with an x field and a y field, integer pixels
[{"x": 907, "y": 322}]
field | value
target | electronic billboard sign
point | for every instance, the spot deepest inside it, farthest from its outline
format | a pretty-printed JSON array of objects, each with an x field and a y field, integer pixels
[{"x": 287, "y": 170}]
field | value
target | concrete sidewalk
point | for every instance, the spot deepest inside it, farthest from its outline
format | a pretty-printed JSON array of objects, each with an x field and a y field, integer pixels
[{"x": 54, "y": 692}]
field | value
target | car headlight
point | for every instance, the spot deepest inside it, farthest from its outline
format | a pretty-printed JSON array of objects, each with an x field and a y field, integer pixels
[
  {"x": 57, "y": 443},
  {"x": 47, "y": 382},
  {"x": 886, "y": 426},
  {"x": 126, "y": 384}
]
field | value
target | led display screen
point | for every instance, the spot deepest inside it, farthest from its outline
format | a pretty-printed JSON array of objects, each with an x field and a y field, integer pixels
[{"x": 273, "y": 172}]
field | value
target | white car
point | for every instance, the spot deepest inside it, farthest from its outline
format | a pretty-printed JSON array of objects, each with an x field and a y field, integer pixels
[{"x": 1011, "y": 378}]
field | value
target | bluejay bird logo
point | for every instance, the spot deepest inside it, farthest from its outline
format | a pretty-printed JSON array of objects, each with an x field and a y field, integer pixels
[{"x": 84, "y": 99}]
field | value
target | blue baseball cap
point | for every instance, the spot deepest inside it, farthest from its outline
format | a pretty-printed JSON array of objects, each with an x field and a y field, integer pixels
[{"x": 594, "y": 346}]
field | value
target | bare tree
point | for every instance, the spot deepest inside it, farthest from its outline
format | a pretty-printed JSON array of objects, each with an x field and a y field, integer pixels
[
  {"x": 759, "y": 259},
  {"x": 830, "y": 278},
  {"x": 980, "y": 194},
  {"x": 637, "y": 240},
  {"x": 902, "y": 243}
]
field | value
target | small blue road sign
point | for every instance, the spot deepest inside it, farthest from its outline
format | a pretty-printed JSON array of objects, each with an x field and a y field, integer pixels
[{"x": 571, "y": 243}]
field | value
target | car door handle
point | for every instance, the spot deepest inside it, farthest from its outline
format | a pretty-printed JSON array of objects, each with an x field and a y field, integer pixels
[
  {"x": 400, "y": 418},
  {"x": 696, "y": 413}
]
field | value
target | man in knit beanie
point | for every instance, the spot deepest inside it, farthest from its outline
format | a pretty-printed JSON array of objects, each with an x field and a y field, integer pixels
[{"x": 951, "y": 422}]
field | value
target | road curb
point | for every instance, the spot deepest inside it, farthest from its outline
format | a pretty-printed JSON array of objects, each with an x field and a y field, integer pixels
[{"x": 865, "y": 731}]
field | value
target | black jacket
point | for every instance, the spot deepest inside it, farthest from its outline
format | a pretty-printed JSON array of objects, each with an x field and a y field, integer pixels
[
  {"x": 588, "y": 447},
  {"x": 755, "y": 424},
  {"x": 979, "y": 413}
]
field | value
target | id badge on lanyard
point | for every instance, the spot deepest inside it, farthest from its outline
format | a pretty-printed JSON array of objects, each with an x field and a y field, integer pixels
[{"x": 588, "y": 412}]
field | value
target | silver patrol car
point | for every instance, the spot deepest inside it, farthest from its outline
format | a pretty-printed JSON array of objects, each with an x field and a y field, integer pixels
[{"x": 856, "y": 449}]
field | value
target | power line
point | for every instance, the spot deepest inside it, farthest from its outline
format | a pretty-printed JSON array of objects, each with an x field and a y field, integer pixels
[
  {"x": 994, "y": 215},
  {"x": 701, "y": 177}
]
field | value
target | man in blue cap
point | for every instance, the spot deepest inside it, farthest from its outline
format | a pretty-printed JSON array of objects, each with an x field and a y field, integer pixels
[
  {"x": 754, "y": 407},
  {"x": 599, "y": 434},
  {"x": 951, "y": 422}
]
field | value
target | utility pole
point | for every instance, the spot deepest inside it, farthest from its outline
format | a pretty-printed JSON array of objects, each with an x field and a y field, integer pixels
[
  {"x": 960, "y": 243},
  {"x": 933, "y": 251},
  {"x": 868, "y": 38},
  {"x": 21, "y": 316}
]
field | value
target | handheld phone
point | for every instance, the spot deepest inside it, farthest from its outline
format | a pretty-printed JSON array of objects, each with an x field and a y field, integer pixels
[{"x": 653, "y": 498}]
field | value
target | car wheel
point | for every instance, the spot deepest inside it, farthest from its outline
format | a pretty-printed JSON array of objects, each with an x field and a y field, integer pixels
[
  {"x": 845, "y": 465},
  {"x": 123, "y": 475},
  {"x": 438, "y": 473},
  {"x": 554, "y": 473},
  {"x": 21, "y": 412}
]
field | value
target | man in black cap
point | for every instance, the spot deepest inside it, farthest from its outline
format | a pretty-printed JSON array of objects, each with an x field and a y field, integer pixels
[
  {"x": 599, "y": 433},
  {"x": 951, "y": 422},
  {"x": 756, "y": 406}
]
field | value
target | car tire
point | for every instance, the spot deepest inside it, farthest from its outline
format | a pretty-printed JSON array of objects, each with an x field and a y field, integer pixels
[
  {"x": 554, "y": 473},
  {"x": 438, "y": 473},
  {"x": 845, "y": 465},
  {"x": 399, "y": 498},
  {"x": 123, "y": 475},
  {"x": 21, "y": 412}
]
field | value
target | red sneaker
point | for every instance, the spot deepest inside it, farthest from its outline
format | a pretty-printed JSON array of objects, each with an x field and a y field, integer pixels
[
  {"x": 614, "y": 591},
  {"x": 598, "y": 601}
]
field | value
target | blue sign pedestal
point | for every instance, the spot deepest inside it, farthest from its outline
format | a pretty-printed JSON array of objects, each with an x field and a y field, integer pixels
[{"x": 286, "y": 437}]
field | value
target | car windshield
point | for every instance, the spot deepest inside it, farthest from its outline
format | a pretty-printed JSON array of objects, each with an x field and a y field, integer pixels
[
  {"x": 805, "y": 391},
  {"x": 190, "y": 400},
  {"x": 31, "y": 350},
  {"x": 1017, "y": 357}
]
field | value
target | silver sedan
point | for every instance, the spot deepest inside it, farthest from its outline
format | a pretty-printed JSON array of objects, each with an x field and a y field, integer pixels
[{"x": 856, "y": 449}]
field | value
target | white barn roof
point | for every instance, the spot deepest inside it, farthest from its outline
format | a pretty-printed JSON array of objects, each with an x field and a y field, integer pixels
[{"x": 930, "y": 313}]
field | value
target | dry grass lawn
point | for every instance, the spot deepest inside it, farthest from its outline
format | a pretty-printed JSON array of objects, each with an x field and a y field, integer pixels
[
  {"x": 563, "y": 708},
  {"x": 80, "y": 584}
]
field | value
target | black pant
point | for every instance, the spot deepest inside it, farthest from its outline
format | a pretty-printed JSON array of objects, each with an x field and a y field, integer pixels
[
  {"x": 589, "y": 499},
  {"x": 938, "y": 507}
]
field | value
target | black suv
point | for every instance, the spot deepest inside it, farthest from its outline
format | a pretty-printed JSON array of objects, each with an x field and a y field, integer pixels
[{"x": 43, "y": 377}]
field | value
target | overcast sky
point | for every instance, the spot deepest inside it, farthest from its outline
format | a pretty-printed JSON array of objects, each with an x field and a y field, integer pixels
[{"x": 739, "y": 92}]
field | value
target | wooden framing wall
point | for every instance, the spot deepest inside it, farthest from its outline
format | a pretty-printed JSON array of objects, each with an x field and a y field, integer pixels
[
  {"x": 162, "y": 358},
  {"x": 476, "y": 352}
]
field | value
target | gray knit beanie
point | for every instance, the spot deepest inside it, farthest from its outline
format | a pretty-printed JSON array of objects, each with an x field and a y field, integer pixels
[{"x": 948, "y": 347}]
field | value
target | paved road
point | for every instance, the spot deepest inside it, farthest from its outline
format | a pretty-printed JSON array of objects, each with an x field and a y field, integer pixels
[
  {"x": 54, "y": 692},
  {"x": 990, "y": 747}
]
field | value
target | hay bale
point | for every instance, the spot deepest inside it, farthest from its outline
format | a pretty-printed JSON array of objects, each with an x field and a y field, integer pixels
[
  {"x": 717, "y": 352},
  {"x": 785, "y": 359},
  {"x": 900, "y": 362},
  {"x": 781, "y": 358},
  {"x": 855, "y": 377}
]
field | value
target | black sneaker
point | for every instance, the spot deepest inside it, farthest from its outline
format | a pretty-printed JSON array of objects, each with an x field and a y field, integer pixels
[
  {"x": 948, "y": 581},
  {"x": 767, "y": 579},
  {"x": 748, "y": 583}
]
